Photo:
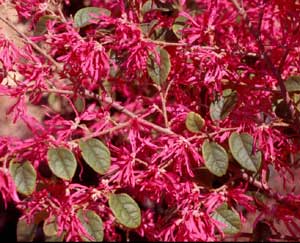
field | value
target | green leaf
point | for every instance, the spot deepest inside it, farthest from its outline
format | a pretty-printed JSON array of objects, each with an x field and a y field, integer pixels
[
  {"x": 92, "y": 223},
  {"x": 83, "y": 16},
  {"x": 159, "y": 73},
  {"x": 292, "y": 83},
  {"x": 79, "y": 104},
  {"x": 125, "y": 209},
  {"x": 148, "y": 6},
  {"x": 178, "y": 26},
  {"x": 163, "y": 34},
  {"x": 41, "y": 25},
  {"x": 147, "y": 27},
  {"x": 229, "y": 218},
  {"x": 221, "y": 108},
  {"x": 50, "y": 226},
  {"x": 241, "y": 146},
  {"x": 62, "y": 163},
  {"x": 25, "y": 232},
  {"x": 215, "y": 158},
  {"x": 296, "y": 100},
  {"x": 194, "y": 122},
  {"x": 24, "y": 176},
  {"x": 96, "y": 155}
]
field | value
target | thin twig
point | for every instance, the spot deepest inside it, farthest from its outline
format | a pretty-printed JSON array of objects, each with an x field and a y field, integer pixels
[
  {"x": 263, "y": 187},
  {"x": 213, "y": 133},
  {"x": 106, "y": 131},
  {"x": 35, "y": 46},
  {"x": 164, "y": 43},
  {"x": 164, "y": 109}
]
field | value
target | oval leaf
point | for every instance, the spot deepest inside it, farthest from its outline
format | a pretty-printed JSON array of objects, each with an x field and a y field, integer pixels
[
  {"x": 79, "y": 104},
  {"x": 221, "y": 108},
  {"x": 229, "y": 218},
  {"x": 159, "y": 72},
  {"x": 241, "y": 146},
  {"x": 148, "y": 6},
  {"x": 24, "y": 176},
  {"x": 292, "y": 84},
  {"x": 296, "y": 100},
  {"x": 215, "y": 158},
  {"x": 50, "y": 226},
  {"x": 62, "y": 163},
  {"x": 178, "y": 26},
  {"x": 125, "y": 209},
  {"x": 92, "y": 223},
  {"x": 41, "y": 25},
  {"x": 96, "y": 155},
  {"x": 25, "y": 232},
  {"x": 194, "y": 122},
  {"x": 83, "y": 16}
]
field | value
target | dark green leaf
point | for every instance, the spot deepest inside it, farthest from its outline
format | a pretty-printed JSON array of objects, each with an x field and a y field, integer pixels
[
  {"x": 178, "y": 26},
  {"x": 24, "y": 176},
  {"x": 194, "y": 122},
  {"x": 125, "y": 209},
  {"x": 92, "y": 223},
  {"x": 83, "y": 16},
  {"x": 25, "y": 232},
  {"x": 221, "y": 108},
  {"x": 163, "y": 34},
  {"x": 50, "y": 226},
  {"x": 148, "y": 6},
  {"x": 229, "y": 218},
  {"x": 159, "y": 73},
  {"x": 296, "y": 100},
  {"x": 292, "y": 83},
  {"x": 96, "y": 155},
  {"x": 147, "y": 27},
  {"x": 79, "y": 104},
  {"x": 41, "y": 25},
  {"x": 215, "y": 158},
  {"x": 62, "y": 163},
  {"x": 241, "y": 147}
]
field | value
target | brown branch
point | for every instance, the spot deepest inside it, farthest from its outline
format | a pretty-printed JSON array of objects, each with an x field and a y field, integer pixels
[{"x": 117, "y": 106}]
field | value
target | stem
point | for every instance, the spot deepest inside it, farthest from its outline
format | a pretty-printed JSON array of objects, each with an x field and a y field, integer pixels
[
  {"x": 164, "y": 43},
  {"x": 213, "y": 133},
  {"x": 109, "y": 130},
  {"x": 264, "y": 187},
  {"x": 117, "y": 106},
  {"x": 164, "y": 108}
]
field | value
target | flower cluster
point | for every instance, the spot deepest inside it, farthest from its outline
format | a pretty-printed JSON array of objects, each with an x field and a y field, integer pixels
[{"x": 161, "y": 120}]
